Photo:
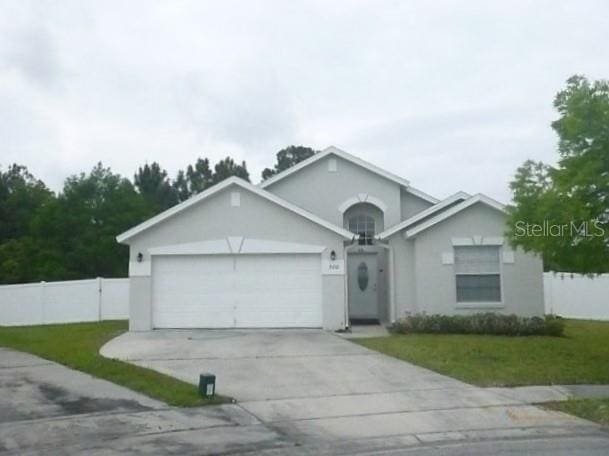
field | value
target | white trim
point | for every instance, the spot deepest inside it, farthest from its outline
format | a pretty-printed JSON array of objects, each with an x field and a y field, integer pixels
[
  {"x": 424, "y": 213},
  {"x": 478, "y": 198},
  {"x": 492, "y": 240},
  {"x": 477, "y": 240},
  {"x": 459, "y": 242},
  {"x": 215, "y": 247},
  {"x": 139, "y": 268},
  {"x": 235, "y": 245},
  {"x": 480, "y": 305},
  {"x": 362, "y": 198},
  {"x": 339, "y": 153},
  {"x": 252, "y": 246},
  {"x": 221, "y": 186}
]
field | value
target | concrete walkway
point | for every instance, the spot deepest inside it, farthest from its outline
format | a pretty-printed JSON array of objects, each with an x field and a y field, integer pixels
[
  {"x": 325, "y": 392},
  {"x": 551, "y": 393}
]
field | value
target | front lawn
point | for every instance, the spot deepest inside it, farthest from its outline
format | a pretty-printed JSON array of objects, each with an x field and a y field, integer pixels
[
  {"x": 77, "y": 346},
  {"x": 581, "y": 356}
]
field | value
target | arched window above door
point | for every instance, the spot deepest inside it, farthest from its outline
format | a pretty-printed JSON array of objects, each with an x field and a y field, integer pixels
[{"x": 364, "y": 226}]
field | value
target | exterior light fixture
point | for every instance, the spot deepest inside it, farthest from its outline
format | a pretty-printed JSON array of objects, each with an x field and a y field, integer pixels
[
  {"x": 333, "y": 255},
  {"x": 140, "y": 257}
]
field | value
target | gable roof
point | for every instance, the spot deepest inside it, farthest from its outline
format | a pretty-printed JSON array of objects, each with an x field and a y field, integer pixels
[
  {"x": 459, "y": 196},
  {"x": 353, "y": 159},
  {"x": 219, "y": 187},
  {"x": 478, "y": 198}
]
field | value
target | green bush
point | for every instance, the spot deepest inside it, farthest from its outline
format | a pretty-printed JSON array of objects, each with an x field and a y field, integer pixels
[{"x": 480, "y": 323}]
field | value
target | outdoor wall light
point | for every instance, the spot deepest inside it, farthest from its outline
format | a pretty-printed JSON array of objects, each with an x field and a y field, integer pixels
[
  {"x": 140, "y": 257},
  {"x": 333, "y": 255}
]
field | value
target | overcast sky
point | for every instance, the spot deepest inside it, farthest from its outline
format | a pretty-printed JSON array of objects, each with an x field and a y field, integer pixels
[{"x": 450, "y": 95}]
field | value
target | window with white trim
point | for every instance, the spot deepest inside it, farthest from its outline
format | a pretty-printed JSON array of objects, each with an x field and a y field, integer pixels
[
  {"x": 478, "y": 274},
  {"x": 364, "y": 227}
]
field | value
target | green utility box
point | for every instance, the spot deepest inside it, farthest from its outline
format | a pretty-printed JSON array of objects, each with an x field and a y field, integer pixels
[{"x": 207, "y": 385}]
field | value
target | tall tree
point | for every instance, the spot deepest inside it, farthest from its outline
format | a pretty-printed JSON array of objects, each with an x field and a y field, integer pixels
[
  {"x": 77, "y": 231},
  {"x": 227, "y": 168},
  {"x": 154, "y": 185},
  {"x": 570, "y": 201},
  {"x": 196, "y": 179},
  {"x": 287, "y": 158},
  {"x": 199, "y": 176},
  {"x": 21, "y": 195},
  {"x": 181, "y": 187}
]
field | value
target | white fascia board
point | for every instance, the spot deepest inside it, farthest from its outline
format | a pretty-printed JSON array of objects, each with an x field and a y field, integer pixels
[
  {"x": 424, "y": 213},
  {"x": 253, "y": 246},
  {"x": 226, "y": 246},
  {"x": 215, "y": 247},
  {"x": 339, "y": 153},
  {"x": 220, "y": 186},
  {"x": 477, "y": 240},
  {"x": 478, "y": 198}
]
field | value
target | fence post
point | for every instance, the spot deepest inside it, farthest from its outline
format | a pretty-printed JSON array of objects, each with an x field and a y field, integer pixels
[
  {"x": 99, "y": 299},
  {"x": 552, "y": 284},
  {"x": 43, "y": 304}
]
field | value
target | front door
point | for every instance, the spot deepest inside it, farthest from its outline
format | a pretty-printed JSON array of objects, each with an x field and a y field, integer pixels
[{"x": 363, "y": 297}]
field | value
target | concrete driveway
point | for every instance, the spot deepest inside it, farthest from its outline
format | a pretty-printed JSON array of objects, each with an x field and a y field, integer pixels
[
  {"x": 318, "y": 389},
  {"x": 46, "y": 408}
]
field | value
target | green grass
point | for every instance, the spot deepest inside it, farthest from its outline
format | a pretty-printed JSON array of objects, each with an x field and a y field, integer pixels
[
  {"x": 589, "y": 409},
  {"x": 581, "y": 356},
  {"x": 77, "y": 346}
]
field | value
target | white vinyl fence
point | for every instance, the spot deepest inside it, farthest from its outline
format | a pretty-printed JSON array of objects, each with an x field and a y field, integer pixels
[
  {"x": 64, "y": 302},
  {"x": 567, "y": 295},
  {"x": 577, "y": 296}
]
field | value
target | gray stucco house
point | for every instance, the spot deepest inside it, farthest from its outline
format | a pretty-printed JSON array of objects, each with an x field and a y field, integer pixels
[{"x": 330, "y": 241}]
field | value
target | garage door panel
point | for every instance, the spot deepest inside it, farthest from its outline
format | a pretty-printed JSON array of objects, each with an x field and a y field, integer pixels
[
  {"x": 208, "y": 291},
  {"x": 280, "y": 319},
  {"x": 278, "y": 263},
  {"x": 210, "y": 319}
]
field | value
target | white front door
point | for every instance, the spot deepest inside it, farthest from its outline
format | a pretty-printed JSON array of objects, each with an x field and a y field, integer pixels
[
  {"x": 236, "y": 291},
  {"x": 363, "y": 295}
]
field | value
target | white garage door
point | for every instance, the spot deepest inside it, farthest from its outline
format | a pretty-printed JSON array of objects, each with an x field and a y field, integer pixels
[{"x": 240, "y": 291}]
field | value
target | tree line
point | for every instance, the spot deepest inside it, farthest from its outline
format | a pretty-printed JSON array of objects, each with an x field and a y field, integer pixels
[{"x": 71, "y": 234}]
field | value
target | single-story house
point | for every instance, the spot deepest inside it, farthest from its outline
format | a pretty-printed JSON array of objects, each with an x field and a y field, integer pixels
[{"x": 332, "y": 241}]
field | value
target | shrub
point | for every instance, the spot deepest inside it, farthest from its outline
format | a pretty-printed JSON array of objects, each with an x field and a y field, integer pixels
[{"x": 480, "y": 323}]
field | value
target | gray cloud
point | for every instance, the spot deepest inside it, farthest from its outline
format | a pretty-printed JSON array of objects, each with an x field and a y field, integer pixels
[
  {"x": 450, "y": 95},
  {"x": 32, "y": 53}
]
